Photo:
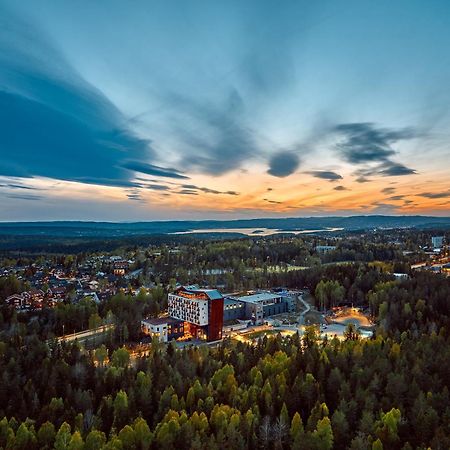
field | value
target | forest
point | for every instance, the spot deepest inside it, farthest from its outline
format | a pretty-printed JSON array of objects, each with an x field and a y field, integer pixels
[{"x": 391, "y": 392}]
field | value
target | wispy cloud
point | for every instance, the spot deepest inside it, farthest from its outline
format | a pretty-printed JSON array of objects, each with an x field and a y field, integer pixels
[
  {"x": 365, "y": 144},
  {"x": 208, "y": 190},
  {"x": 24, "y": 196},
  {"x": 150, "y": 169},
  {"x": 54, "y": 123},
  {"x": 434, "y": 195}
]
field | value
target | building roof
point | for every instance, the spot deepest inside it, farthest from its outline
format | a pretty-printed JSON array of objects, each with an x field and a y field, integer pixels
[
  {"x": 212, "y": 294},
  {"x": 258, "y": 298},
  {"x": 162, "y": 320},
  {"x": 230, "y": 301}
]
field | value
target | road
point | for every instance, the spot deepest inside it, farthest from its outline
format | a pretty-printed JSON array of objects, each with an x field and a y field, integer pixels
[
  {"x": 85, "y": 334},
  {"x": 307, "y": 309}
]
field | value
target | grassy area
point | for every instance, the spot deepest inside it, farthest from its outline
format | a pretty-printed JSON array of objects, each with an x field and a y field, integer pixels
[{"x": 260, "y": 333}]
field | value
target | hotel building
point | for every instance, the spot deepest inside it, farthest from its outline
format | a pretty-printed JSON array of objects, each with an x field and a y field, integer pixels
[{"x": 200, "y": 309}]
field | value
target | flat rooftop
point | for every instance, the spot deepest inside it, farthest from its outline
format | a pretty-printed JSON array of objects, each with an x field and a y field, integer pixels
[
  {"x": 231, "y": 301},
  {"x": 162, "y": 321},
  {"x": 258, "y": 298},
  {"x": 212, "y": 294}
]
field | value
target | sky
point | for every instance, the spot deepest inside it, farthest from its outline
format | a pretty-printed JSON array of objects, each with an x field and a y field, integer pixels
[{"x": 150, "y": 110}]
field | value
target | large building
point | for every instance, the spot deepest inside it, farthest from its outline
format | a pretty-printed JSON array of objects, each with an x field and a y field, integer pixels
[
  {"x": 257, "y": 307},
  {"x": 163, "y": 328},
  {"x": 200, "y": 309},
  {"x": 437, "y": 241},
  {"x": 233, "y": 310}
]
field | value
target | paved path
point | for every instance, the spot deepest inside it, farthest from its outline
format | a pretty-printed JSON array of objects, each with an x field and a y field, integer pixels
[
  {"x": 301, "y": 318},
  {"x": 85, "y": 334}
]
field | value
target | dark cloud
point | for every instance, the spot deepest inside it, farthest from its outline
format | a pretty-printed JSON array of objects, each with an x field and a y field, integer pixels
[
  {"x": 397, "y": 197},
  {"x": 435, "y": 195},
  {"x": 19, "y": 186},
  {"x": 365, "y": 144},
  {"x": 386, "y": 169},
  {"x": 362, "y": 179},
  {"x": 325, "y": 175},
  {"x": 283, "y": 163},
  {"x": 136, "y": 197},
  {"x": 157, "y": 187},
  {"x": 24, "y": 196},
  {"x": 207, "y": 190},
  {"x": 187, "y": 192},
  {"x": 341, "y": 188},
  {"x": 392, "y": 169},
  {"x": 150, "y": 169},
  {"x": 55, "y": 124},
  {"x": 388, "y": 190}
]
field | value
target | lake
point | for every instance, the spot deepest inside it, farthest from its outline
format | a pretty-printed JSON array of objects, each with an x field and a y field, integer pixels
[{"x": 255, "y": 231}]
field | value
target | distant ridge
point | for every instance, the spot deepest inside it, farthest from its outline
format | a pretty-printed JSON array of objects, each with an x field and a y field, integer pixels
[{"x": 120, "y": 229}]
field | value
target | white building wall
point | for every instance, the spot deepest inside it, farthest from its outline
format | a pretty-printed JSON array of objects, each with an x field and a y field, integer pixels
[{"x": 188, "y": 309}]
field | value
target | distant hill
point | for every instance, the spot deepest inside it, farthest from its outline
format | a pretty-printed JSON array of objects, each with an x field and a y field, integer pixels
[{"x": 113, "y": 229}]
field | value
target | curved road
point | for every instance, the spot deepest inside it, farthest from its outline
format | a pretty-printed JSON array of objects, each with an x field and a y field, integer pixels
[{"x": 307, "y": 306}]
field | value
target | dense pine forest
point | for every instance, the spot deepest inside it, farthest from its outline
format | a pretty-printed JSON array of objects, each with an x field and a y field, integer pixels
[{"x": 300, "y": 392}]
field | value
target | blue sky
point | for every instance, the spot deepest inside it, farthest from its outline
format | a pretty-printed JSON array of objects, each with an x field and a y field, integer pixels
[{"x": 149, "y": 110}]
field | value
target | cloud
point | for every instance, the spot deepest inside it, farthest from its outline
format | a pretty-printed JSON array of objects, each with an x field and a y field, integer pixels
[
  {"x": 388, "y": 190},
  {"x": 362, "y": 179},
  {"x": 157, "y": 187},
  {"x": 365, "y": 144},
  {"x": 397, "y": 197},
  {"x": 135, "y": 197},
  {"x": 386, "y": 169},
  {"x": 208, "y": 190},
  {"x": 187, "y": 192},
  {"x": 341, "y": 188},
  {"x": 283, "y": 163},
  {"x": 24, "y": 196},
  {"x": 54, "y": 123},
  {"x": 383, "y": 208},
  {"x": 275, "y": 202},
  {"x": 20, "y": 186},
  {"x": 150, "y": 169},
  {"x": 392, "y": 169},
  {"x": 325, "y": 175},
  {"x": 435, "y": 195},
  {"x": 213, "y": 137}
]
